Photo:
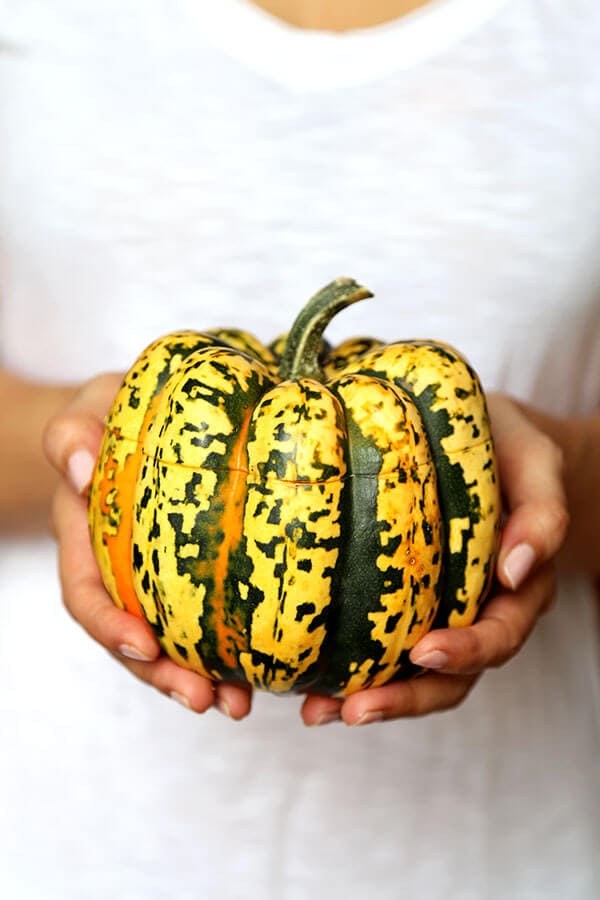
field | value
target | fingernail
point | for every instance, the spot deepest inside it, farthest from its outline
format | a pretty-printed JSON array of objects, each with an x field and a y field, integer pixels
[
  {"x": 223, "y": 707},
  {"x": 374, "y": 715},
  {"x": 326, "y": 718},
  {"x": 80, "y": 468},
  {"x": 180, "y": 698},
  {"x": 518, "y": 564},
  {"x": 132, "y": 652},
  {"x": 434, "y": 659}
]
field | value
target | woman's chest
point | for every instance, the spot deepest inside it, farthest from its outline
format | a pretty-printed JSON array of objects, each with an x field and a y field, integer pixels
[{"x": 151, "y": 184}]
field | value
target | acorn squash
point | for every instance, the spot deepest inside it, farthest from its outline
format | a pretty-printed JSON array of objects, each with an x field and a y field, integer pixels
[{"x": 297, "y": 517}]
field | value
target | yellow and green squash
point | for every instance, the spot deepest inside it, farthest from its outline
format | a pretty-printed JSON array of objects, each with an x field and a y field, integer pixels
[{"x": 297, "y": 517}]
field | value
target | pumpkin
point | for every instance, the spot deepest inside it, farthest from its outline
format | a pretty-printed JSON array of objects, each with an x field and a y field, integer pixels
[{"x": 297, "y": 517}]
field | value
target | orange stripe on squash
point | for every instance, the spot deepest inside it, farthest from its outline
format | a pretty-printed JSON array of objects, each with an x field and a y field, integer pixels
[
  {"x": 228, "y": 628},
  {"x": 119, "y": 545}
]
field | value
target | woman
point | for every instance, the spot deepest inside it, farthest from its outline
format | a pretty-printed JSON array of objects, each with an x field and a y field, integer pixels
[{"x": 203, "y": 167}]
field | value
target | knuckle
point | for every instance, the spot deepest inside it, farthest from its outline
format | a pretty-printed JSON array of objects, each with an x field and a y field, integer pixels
[
  {"x": 474, "y": 650},
  {"x": 509, "y": 639},
  {"x": 554, "y": 522},
  {"x": 560, "y": 518},
  {"x": 160, "y": 679},
  {"x": 52, "y": 436},
  {"x": 106, "y": 381},
  {"x": 542, "y": 447},
  {"x": 65, "y": 432},
  {"x": 412, "y": 705},
  {"x": 99, "y": 392},
  {"x": 449, "y": 692},
  {"x": 513, "y": 645}
]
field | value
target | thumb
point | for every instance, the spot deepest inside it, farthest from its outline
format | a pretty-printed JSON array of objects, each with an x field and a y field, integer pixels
[
  {"x": 72, "y": 438},
  {"x": 531, "y": 473}
]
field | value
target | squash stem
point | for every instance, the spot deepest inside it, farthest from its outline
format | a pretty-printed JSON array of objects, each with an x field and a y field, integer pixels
[{"x": 300, "y": 357}]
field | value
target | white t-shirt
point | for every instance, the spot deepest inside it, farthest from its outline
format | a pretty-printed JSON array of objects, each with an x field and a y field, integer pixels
[{"x": 193, "y": 164}]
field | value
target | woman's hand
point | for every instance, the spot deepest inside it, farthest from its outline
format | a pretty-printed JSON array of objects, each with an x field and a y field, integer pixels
[
  {"x": 71, "y": 443},
  {"x": 531, "y": 475}
]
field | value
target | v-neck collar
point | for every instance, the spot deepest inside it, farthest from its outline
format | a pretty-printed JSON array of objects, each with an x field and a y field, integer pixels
[{"x": 305, "y": 61}]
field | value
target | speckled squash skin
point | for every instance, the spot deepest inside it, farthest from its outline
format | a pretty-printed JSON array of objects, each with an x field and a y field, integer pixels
[{"x": 297, "y": 517}]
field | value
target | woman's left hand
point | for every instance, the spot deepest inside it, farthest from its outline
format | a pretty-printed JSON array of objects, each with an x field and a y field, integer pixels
[{"x": 531, "y": 474}]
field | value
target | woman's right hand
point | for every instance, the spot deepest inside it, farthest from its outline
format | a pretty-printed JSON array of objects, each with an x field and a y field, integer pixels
[{"x": 71, "y": 442}]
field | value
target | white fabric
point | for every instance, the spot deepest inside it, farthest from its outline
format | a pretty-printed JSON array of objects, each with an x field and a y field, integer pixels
[
  {"x": 150, "y": 179},
  {"x": 279, "y": 50}
]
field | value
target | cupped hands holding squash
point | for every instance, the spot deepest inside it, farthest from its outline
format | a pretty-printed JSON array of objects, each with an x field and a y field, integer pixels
[
  {"x": 72, "y": 440},
  {"x": 305, "y": 518}
]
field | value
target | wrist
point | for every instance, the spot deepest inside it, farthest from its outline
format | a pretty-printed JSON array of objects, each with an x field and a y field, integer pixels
[{"x": 26, "y": 480}]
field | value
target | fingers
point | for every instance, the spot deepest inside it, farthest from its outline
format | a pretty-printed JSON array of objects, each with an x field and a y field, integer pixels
[
  {"x": 456, "y": 656},
  {"x": 407, "y": 699},
  {"x": 531, "y": 474},
  {"x": 234, "y": 701},
  {"x": 71, "y": 439},
  {"x": 192, "y": 691},
  {"x": 83, "y": 591},
  {"x": 71, "y": 442},
  {"x": 186, "y": 688},
  {"x": 129, "y": 639},
  {"x": 400, "y": 699},
  {"x": 320, "y": 710},
  {"x": 504, "y": 625}
]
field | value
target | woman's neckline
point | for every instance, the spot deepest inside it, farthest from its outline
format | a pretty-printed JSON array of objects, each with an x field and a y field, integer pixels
[
  {"x": 338, "y": 15},
  {"x": 311, "y": 61}
]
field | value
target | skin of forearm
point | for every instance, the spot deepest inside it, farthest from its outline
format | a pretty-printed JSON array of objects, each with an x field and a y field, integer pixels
[
  {"x": 26, "y": 479},
  {"x": 579, "y": 441}
]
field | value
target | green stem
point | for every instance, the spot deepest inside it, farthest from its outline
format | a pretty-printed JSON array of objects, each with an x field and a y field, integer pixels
[{"x": 300, "y": 357}]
